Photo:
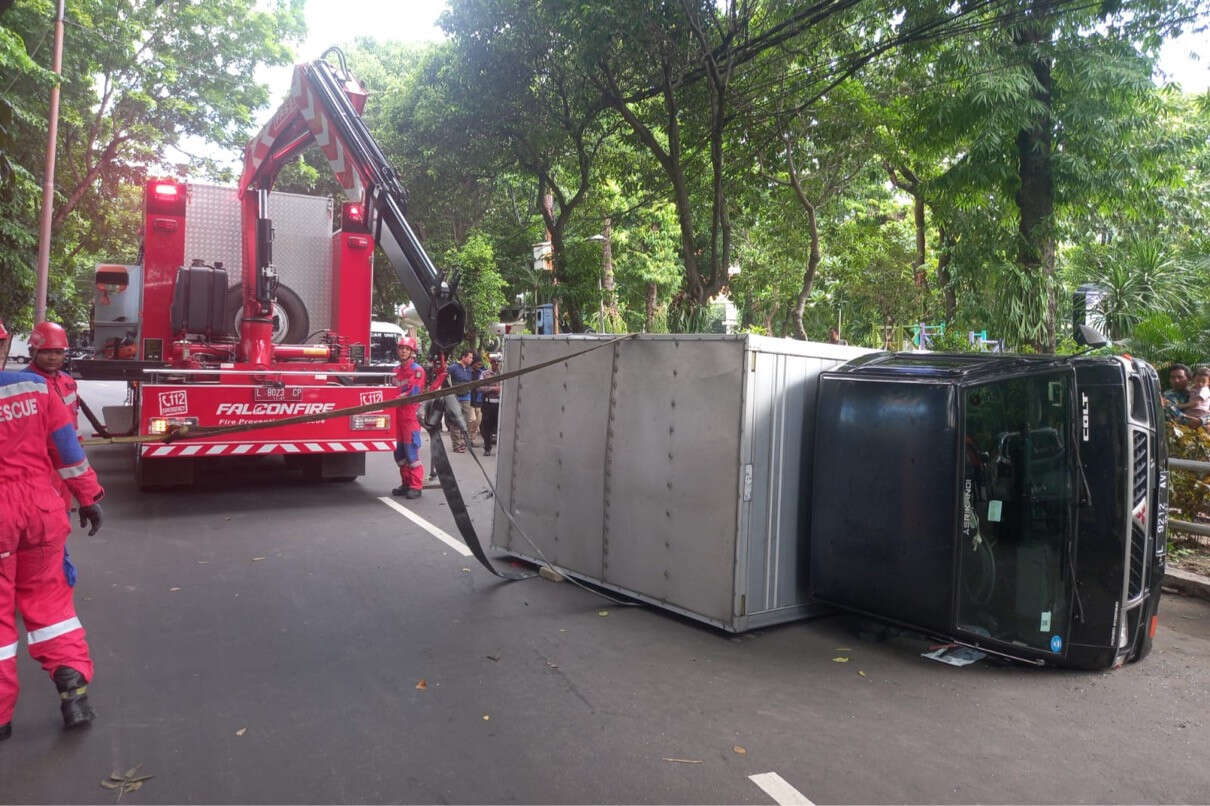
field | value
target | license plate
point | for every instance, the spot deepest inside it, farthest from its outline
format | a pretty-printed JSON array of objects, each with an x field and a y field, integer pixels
[{"x": 277, "y": 394}]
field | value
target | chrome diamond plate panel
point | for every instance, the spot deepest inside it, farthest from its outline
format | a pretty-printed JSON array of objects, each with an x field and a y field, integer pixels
[{"x": 301, "y": 241}]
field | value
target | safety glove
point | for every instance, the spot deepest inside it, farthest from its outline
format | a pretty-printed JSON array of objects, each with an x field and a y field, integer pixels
[{"x": 90, "y": 515}]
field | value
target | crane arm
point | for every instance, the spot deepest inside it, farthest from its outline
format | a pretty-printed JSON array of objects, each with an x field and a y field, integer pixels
[{"x": 324, "y": 106}]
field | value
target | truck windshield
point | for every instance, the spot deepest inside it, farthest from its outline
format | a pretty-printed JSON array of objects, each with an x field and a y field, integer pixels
[{"x": 1016, "y": 501}]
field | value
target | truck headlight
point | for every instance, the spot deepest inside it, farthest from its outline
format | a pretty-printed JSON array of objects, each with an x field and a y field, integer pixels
[
  {"x": 370, "y": 422},
  {"x": 162, "y": 425}
]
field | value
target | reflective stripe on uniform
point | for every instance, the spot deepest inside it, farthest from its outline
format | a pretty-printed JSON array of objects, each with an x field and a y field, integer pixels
[
  {"x": 9, "y": 651},
  {"x": 21, "y": 388},
  {"x": 54, "y": 630},
  {"x": 74, "y": 470},
  {"x": 69, "y": 398}
]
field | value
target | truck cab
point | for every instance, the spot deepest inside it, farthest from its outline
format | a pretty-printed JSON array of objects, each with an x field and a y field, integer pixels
[{"x": 1014, "y": 503}]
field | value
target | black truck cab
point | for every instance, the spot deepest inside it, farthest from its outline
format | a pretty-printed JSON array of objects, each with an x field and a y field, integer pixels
[{"x": 1013, "y": 503}]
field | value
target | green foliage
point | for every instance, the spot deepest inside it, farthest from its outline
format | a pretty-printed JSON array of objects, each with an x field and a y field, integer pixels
[
  {"x": 1163, "y": 339},
  {"x": 1190, "y": 493},
  {"x": 1141, "y": 278},
  {"x": 713, "y": 136},
  {"x": 479, "y": 284}
]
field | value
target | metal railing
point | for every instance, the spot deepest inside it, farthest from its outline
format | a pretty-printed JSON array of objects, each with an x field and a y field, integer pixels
[{"x": 1190, "y": 466}]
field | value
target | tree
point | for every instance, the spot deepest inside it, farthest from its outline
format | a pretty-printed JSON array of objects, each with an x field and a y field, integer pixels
[
  {"x": 1048, "y": 114},
  {"x": 139, "y": 80},
  {"x": 481, "y": 286}
]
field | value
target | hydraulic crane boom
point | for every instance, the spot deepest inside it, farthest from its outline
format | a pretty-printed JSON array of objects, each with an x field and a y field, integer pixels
[{"x": 324, "y": 106}]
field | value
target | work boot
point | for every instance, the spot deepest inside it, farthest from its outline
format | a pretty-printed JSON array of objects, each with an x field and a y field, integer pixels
[
  {"x": 412, "y": 493},
  {"x": 401, "y": 491},
  {"x": 73, "y": 696},
  {"x": 432, "y": 475},
  {"x": 6, "y": 730},
  {"x": 487, "y": 450}
]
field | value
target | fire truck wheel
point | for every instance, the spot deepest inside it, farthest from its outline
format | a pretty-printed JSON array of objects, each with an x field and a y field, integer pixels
[{"x": 292, "y": 322}]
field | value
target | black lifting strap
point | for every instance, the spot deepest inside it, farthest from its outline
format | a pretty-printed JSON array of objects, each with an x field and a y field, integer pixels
[{"x": 453, "y": 497}]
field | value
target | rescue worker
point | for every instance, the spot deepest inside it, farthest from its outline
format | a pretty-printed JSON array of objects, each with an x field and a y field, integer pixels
[
  {"x": 445, "y": 408},
  {"x": 36, "y": 439},
  {"x": 410, "y": 377},
  {"x": 47, "y": 354}
]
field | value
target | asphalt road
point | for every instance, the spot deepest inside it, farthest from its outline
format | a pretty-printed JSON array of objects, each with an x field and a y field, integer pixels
[{"x": 263, "y": 639}]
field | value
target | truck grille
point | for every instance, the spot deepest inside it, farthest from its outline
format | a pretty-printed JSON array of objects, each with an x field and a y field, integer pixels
[
  {"x": 1140, "y": 468},
  {"x": 1138, "y": 560}
]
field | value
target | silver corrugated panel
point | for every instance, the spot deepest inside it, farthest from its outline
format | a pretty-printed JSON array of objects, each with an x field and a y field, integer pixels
[
  {"x": 301, "y": 241},
  {"x": 665, "y": 467}
]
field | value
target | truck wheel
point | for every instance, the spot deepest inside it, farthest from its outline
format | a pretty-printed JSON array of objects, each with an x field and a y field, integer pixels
[{"x": 292, "y": 322}]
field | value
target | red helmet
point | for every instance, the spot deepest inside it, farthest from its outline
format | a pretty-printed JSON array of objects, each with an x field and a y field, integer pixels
[
  {"x": 409, "y": 342},
  {"x": 48, "y": 336}
]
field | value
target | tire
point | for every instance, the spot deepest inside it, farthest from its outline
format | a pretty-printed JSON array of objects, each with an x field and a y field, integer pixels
[{"x": 292, "y": 322}]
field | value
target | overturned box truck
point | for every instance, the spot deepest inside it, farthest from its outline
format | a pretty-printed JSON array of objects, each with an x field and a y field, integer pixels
[{"x": 1013, "y": 503}]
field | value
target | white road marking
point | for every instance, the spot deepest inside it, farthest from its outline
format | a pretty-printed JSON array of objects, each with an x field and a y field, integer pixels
[
  {"x": 777, "y": 788},
  {"x": 456, "y": 545}
]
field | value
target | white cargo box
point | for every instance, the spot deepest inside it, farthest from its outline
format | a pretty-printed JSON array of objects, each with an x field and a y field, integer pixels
[{"x": 669, "y": 468}]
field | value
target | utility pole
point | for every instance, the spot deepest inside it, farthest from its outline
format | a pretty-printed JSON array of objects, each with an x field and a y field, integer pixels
[{"x": 48, "y": 184}]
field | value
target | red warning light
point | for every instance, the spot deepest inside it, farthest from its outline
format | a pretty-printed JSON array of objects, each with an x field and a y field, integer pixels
[{"x": 353, "y": 217}]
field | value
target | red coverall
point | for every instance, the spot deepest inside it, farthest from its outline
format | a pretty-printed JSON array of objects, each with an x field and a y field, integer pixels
[
  {"x": 410, "y": 378},
  {"x": 37, "y": 439},
  {"x": 62, "y": 384}
]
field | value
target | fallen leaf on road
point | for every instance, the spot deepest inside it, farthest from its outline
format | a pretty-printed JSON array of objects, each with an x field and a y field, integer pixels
[
  {"x": 227, "y": 518},
  {"x": 844, "y": 649},
  {"x": 743, "y": 751},
  {"x": 257, "y": 559},
  {"x": 552, "y": 665},
  {"x": 684, "y": 760},
  {"x": 861, "y": 673},
  {"x": 173, "y": 589},
  {"x": 841, "y": 659},
  {"x": 486, "y": 717},
  {"x": 422, "y": 685},
  {"x": 493, "y": 658},
  {"x": 466, "y": 570},
  {"x": 241, "y": 731},
  {"x": 602, "y": 612},
  {"x": 129, "y": 781},
  {"x": 203, "y": 562}
]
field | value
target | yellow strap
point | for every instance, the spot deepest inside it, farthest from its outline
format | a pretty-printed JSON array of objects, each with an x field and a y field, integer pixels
[{"x": 200, "y": 432}]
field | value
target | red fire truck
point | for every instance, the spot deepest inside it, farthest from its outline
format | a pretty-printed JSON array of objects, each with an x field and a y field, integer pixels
[{"x": 248, "y": 306}]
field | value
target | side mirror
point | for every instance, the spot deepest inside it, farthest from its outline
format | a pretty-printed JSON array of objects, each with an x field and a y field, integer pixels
[{"x": 1089, "y": 337}]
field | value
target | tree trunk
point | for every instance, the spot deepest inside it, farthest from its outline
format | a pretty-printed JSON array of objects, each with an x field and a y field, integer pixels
[
  {"x": 808, "y": 277},
  {"x": 1036, "y": 197},
  {"x": 918, "y": 274},
  {"x": 611, "y": 296},
  {"x": 649, "y": 316},
  {"x": 943, "y": 276}
]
